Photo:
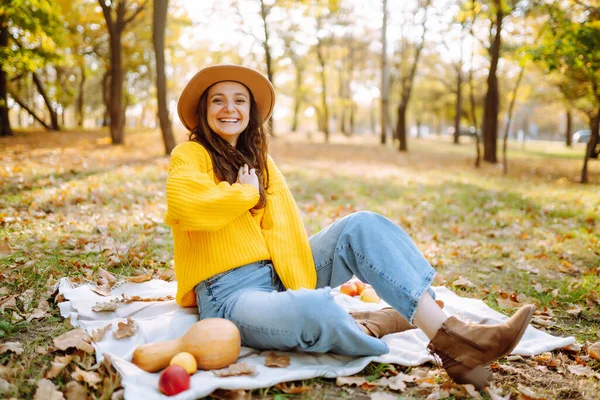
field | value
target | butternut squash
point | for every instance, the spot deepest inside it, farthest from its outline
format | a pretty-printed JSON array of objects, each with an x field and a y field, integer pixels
[{"x": 214, "y": 342}]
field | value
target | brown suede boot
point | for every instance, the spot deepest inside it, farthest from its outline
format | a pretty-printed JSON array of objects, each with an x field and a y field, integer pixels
[
  {"x": 464, "y": 349},
  {"x": 382, "y": 322}
]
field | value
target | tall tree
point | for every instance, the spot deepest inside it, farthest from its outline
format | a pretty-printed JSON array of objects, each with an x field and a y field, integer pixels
[
  {"x": 385, "y": 76},
  {"x": 118, "y": 14},
  {"x": 569, "y": 50},
  {"x": 30, "y": 37},
  {"x": 158, "y": 39},
  {"x": 407, "y": 69}
]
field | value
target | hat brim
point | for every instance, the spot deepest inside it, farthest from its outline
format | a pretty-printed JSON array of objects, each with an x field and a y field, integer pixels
[{"x": 262, "y": 91}]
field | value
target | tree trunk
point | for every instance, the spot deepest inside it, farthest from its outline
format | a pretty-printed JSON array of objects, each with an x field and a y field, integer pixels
[
  {"x": 80, "y": 102},
  {"x": 594, "y": 136},
  {"x": 53, "y": 115},
  {"x": 158, "y": 39},
  {"x": 569, "y": 128},
  {"x": 509, "y": 119},
  {"x": 106, "y": 98},
  {"x": 458, "y": 110},
  {"x": 22, "y": 104},
  {"x": 116, "y": 89},
  {"x": 492, "y": 98},
  {"x": 401, "y": 127},
  {"x": 5, "y": 129},
  {"x": 325, "y": 113},
  {"x": 297, "y": 97},
  {"x": 385, "y": 77},
  {"x": 264, "y": 13}
]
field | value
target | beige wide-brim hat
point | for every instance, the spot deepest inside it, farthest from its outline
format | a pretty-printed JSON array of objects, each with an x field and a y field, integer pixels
[{"x": 262, "y": 90}]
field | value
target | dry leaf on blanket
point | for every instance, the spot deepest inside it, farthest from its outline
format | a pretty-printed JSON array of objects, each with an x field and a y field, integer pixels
[
  {"x": 125, "y": 329},
  {"x": 275, "y": 361},
  {"x": 283, "y": 386},
  {"x": 46, "y": 390},
  {"x": 126, "y": 299},
  {"x": 98, "y": 334},
  {"x": 75, "y": 391},
  {"x": 58, "y": 365},
  {"x": 139, "y": 278},
  {"x": 222, "y": 394},
  {"x": 594, "y": 351},
  {"x": 107, "y": 276},
  {"x": 92, "y": 378},
  {"x": 77, "y": 338},
  {"x": 15, "y": 347},
  {"x": 236, "y": 369},
  {"x": 103, "y": 290},
  {"x": 350, "y": 380},
  {"x": 106, "y": 306}
]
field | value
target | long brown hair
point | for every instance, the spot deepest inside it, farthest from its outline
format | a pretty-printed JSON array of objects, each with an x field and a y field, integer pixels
[{"x": 251, "y": 148}]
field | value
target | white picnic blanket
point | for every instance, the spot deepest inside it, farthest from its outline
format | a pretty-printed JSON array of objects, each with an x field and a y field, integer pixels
[{"x": 165, "y": 320}]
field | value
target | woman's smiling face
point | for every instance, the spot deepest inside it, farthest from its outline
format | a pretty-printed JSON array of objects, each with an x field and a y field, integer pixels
[{"x": 228, "y": 110}]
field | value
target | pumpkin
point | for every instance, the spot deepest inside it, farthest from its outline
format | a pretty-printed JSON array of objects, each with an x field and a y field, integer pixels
[{"x": 214, "y": 342}]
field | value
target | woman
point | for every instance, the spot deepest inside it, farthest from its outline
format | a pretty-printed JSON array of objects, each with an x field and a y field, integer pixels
[{"x": 242, "y": 253}]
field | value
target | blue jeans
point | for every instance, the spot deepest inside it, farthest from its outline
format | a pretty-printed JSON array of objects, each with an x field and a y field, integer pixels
[{"x": 268, "y": 316}]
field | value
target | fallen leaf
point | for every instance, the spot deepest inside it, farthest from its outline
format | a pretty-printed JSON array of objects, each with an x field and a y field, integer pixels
[
  {"x": 573, "y": 347},
  {"x": 495, "y": 395},
  {"x": 575, "y": 310},
  {"x": 275, "y": 361},
  {"x": 110, "y": 278},
  {"x": 463, "y": 283},
  {"x": 166, "y": 274},
  {"x": 5, "y": 249},
  {"x": 75, "y": 391},
  {"x": 126, "y": 299},
  {"x": 58, "y": 365},
  {"x": 139, "y": 278},
  {"x": 26, "y": 298},
  {"x": 528, "y": 394},
  {"x": 91, "y": 378},
  {"x": 542, "y": 321},
  {"x": 98, "y": 334},
  {"x": 4, "y": 385},
  {"x": 103, "y": 290},
  {"x": 40, "y": 312},
  {"x": 46, "y": 390},
  {"x": 594, "y": 351},
  {"x": 125, "y": 329},
  {"x": 582, "y": 371},
  {"x": 106, "y": 306},
  {"x": 470, "y": 389},
  {"x": 118, "y": 395},
  {"x": 350, "y": 380},
  {"x": 77, "y": 338},
  {"x": 292, "y": 389},
  {"x": 15, "y": 347},
  {"x": 8, "y": 302},
  {"x": 398, "y": 382},
  {"x": 236, "y": 369}
]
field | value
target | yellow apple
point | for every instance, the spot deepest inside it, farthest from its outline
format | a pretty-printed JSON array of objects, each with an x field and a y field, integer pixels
[
  {"x": 369, "y": 296},
  {"x": 185, "y": 360}
]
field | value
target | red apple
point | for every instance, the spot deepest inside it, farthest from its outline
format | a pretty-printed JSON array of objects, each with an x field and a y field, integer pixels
[
  {"x": 174, "y": 379},
  {"x": 349, "y": 288},
  {"x": 360, "y": 286}
]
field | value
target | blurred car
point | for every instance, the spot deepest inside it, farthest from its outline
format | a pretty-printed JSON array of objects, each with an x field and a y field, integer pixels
[
  {"x": 464, "y": 131},
  {"x": 582, "y": 136}
]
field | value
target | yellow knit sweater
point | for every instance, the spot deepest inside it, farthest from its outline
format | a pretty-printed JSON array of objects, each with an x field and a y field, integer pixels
[{"x": 214, "y": 231}]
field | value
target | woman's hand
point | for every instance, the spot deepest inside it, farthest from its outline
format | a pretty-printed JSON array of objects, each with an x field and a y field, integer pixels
[{"x": 248, "y": 176}]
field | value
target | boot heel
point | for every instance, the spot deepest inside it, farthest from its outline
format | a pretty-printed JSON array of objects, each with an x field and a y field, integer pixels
[{"x": 478, "y": 377}]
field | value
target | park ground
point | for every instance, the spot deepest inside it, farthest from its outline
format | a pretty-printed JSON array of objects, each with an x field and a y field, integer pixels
[{"x": 71, "y": 203}]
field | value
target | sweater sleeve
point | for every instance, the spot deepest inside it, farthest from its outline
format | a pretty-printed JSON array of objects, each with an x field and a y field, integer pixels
[
  {"x": 285, "y": 235},
  {"x": 194, "y": 201}
]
